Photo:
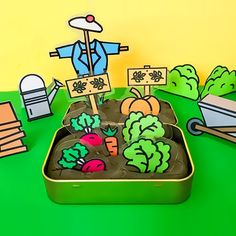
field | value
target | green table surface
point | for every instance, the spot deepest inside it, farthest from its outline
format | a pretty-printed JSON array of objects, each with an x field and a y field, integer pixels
[{"x": 26, "y": 210}]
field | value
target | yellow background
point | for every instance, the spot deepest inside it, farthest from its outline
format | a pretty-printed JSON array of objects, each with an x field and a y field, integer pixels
[{"x": 159, "y": 33}]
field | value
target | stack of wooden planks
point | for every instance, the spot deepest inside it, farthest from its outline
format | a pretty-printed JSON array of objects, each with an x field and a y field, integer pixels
[{"x": 10, "y": 131}]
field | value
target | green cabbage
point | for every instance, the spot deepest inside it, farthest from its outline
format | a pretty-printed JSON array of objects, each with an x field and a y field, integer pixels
[
  {"x": 147, "y": 156},
  {"x": 137, "y": 125}
]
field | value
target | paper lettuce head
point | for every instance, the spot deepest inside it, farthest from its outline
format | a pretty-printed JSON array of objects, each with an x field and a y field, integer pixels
[
  {"x": 138, "y": 125},
  {"x": 220, "y": 82},
  {"x": 183, "y": 81},
  {"x": 148, "y": 156}
]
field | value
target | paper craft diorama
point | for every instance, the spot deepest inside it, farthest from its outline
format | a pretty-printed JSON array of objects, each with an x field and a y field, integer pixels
[
  {"x": 137, "y": 134},
  {"x": 34, "y": 95},
  {"x": 10, "y": 131},
  {"x": 111, "y": 139},
  {"x": 133, "y": 139}
]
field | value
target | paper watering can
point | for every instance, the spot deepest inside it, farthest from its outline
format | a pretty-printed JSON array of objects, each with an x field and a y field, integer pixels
[{"x": 35, "y": 98}]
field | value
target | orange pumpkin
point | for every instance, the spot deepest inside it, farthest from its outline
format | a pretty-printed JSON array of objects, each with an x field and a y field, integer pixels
[{"x": 147, "y": 104}]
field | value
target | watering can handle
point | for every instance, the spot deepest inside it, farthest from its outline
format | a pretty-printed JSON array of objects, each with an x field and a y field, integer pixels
[{"x": 58, "y": 83}]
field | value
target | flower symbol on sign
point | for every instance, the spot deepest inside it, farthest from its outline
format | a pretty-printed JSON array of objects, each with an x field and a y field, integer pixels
[
  {"x": 138, "y": 76},
  {"x": 79, "y": 86},
  {"x": 98, "y": 83},
  {"x": 156, "y": 76}
]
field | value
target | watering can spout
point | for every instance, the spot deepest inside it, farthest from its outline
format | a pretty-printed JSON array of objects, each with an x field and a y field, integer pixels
[{"x": 52, "y": 94}]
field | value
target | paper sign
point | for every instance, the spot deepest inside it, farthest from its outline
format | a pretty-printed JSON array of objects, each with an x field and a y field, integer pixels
[
  {"x": 147, "y": 76},
  {"x": 88, "y": 85}
]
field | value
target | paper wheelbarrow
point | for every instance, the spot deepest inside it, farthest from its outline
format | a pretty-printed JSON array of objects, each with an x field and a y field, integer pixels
[{"x": 219, "y": 116}]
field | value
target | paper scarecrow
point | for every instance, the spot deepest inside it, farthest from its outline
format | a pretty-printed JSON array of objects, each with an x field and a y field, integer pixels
[{"x": 88, "y": 58}]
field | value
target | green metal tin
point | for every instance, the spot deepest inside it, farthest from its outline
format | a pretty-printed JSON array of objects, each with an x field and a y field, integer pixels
[{"x": 119, "y": 191}]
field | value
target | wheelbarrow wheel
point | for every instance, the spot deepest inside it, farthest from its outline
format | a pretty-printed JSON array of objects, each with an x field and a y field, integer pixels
[{"x": 191, "y": 126}]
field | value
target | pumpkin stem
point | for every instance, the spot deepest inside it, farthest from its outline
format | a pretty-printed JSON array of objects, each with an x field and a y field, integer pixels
[{"x": 136, "y": 92}]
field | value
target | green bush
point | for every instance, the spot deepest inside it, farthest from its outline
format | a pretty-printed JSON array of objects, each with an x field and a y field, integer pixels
[
  {"x": 220, "y": 82},
  {"x": 183, "y": 81}
]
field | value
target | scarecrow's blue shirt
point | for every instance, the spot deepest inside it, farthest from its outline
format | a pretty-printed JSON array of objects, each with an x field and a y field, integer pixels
[{"x": 99, "y": 55}]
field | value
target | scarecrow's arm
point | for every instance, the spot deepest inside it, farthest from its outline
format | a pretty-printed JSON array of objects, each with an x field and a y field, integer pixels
[
  {"x": 122, "y": 49},
  {"x": 63, "y": 52},
  {"x": 53, "y": 54}
]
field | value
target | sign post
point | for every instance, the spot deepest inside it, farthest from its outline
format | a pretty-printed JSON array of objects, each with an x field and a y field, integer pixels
[
  {"x": 147, "y": 77},
  {"x": 89, "y": 57},
  {"x": 90, "y": 86}
]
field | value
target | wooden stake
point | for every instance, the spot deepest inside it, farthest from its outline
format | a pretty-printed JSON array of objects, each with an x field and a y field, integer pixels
[
  {"x": 93, "y": 104},
  {"x": 88, "y": 50},
  {"x": 89, "y": 57},
  {"x": 147, "y": 89}
]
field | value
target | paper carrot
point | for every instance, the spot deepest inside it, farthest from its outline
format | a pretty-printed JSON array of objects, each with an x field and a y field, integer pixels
[{"x": 111, "y": 140}]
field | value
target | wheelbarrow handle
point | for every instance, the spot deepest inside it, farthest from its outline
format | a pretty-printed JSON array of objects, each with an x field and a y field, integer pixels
[
  {"x": 231, "y": 129},
  {"x": 215, "y": 133}
]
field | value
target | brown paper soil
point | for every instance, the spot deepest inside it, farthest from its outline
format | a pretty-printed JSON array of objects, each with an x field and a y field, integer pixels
[
  {"x": 110, "y": 112},
  {"x": 116, "y": 167}
]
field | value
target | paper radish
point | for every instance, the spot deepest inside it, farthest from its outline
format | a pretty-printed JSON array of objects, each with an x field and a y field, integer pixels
[
  {"x": 87, "y": 123},
  {"x": 91, "y": 139},
  {"x": 93, "y": 166},
  {"x": 74, "y": 157}
]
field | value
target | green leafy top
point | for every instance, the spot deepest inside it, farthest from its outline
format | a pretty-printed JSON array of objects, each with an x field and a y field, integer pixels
[
  {"x": 109, "y": 132},
  {"x": 85, "y": 122},
  {"x": 147, "y": 156},
  {"x": 137, "y": 125},
  {"x": 102, "y": 100},
  {"x": 71, "y": 156}
]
